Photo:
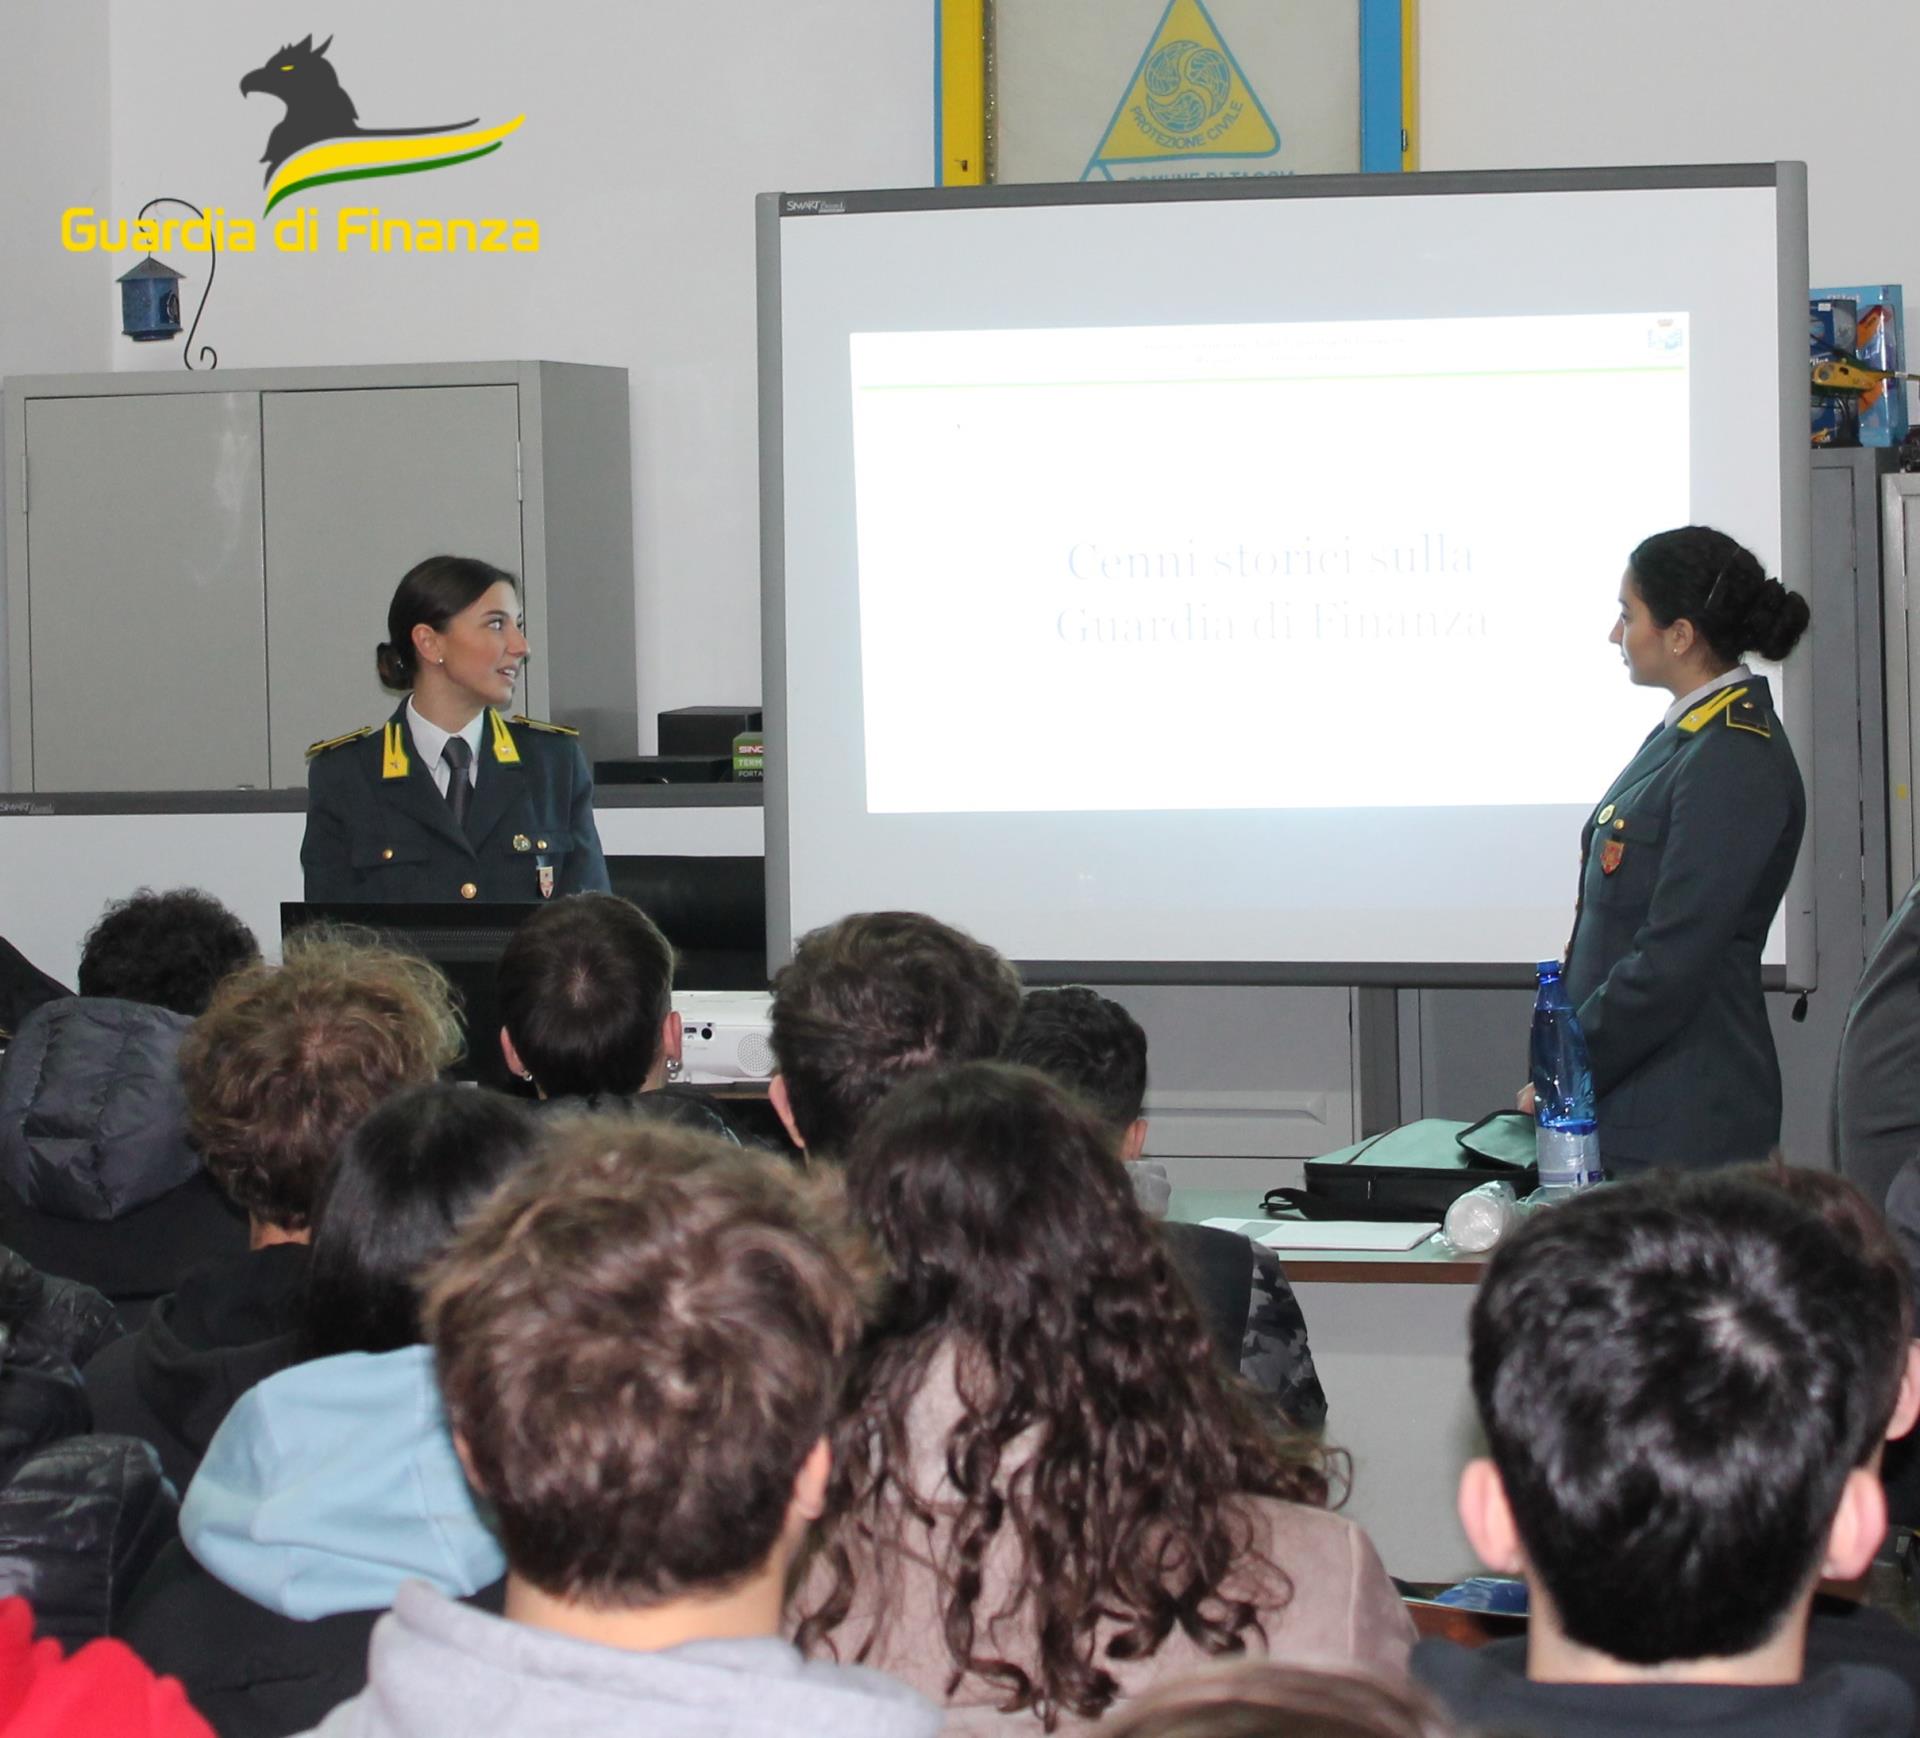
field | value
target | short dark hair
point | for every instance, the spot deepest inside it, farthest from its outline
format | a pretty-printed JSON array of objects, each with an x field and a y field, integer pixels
[
  {"x": 1859, "y": 1224},
  {"x": 584, "y": 986},
  {"x": 168, "y": 949},
  {"x": 640, "y": 1338},
  {"x": 1089, "y": 1044},
  {"x": 433, "y": 591},
  {"x": 878, "y": 996},
  {"x": 288, "y": 1058},
  {"x": 1671, "y": 1376},
  {"x": 1701, "y": 575},
  {"x": 405, "y": 1179}
]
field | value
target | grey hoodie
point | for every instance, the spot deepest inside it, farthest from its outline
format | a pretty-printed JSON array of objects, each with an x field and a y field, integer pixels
[{"x": 441, "y": 1670}]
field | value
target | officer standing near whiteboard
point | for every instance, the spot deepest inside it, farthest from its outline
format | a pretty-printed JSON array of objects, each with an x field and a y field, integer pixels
[{"x": 1684, "y": 863}]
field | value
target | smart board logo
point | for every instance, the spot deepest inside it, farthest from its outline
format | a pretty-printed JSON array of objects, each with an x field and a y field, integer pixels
[
  {"x": 320, "y": 141},
  {"x": 815, "y": 207},
  {"x": 1187, "y": 99}
]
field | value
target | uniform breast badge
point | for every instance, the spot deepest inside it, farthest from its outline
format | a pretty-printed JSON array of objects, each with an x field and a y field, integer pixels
[
  {"x": 1610, "y": 854},
  {"x": 545, "y": 872}
]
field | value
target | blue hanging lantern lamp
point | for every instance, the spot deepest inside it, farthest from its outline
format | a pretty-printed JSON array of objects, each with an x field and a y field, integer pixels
[
  {"x": 150, "y": 297},
  {"x": 150, "y": 302}
]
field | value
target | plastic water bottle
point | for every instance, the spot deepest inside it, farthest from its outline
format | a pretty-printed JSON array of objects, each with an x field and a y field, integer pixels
[
  {"x": 1481, "y": 1217},
  {"x": 1567, "y": 1134}
]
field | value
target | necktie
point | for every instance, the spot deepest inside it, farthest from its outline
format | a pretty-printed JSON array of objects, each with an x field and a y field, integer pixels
[{"x": 458, "y": 755}]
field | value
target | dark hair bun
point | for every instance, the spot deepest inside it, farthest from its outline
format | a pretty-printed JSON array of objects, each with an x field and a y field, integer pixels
[
  {"x": 1701, "y": 575},
  {"x": 1775, "y": 620},
  {"x": 395, "y": 667}
]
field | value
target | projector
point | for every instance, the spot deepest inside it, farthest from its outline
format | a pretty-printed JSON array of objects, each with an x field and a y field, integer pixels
[{"x": 724, "y": 1035}]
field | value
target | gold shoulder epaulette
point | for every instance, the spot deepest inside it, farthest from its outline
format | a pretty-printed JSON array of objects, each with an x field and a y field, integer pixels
[
  {"x": 338, "y": 741},
  {"x": 1710, "y": 709},
  {"x": 542, "y": 724},
  {"x": 1745, "y": 714}
]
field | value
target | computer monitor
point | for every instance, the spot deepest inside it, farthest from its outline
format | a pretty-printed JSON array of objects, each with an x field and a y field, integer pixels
[{"x": 464, "y": 941}]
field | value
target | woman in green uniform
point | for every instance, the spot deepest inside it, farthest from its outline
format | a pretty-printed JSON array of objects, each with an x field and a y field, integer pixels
[
  {"x": 451, "y": 799},
  {"x": 1684, "y": 862}
]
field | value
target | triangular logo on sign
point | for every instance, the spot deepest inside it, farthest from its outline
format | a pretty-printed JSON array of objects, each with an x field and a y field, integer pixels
[{"x": 1188, "y": 98}]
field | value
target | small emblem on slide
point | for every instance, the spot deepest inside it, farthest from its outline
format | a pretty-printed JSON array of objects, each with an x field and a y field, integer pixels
[{"x": 1610, "y": 855}]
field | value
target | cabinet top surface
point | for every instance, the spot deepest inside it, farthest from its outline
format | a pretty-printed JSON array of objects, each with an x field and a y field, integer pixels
[{"x": 388, "y": 374}]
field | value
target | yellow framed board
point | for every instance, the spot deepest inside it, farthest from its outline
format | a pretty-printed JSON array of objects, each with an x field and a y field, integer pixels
[{"x": 1120, "y": 90}]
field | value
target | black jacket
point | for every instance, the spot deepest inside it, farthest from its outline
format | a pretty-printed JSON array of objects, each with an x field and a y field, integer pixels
[
  {"x": 1876, "y": 1088},
  {"x": 23, "y": 987},
  {"x": 97, "y": 1180},
  {"x": 379, "y": 832},
  {"x": 81, "y": 1517},
  {"x": 1484, "y": 1692},
  {"x": 80, "y": 1524},
  {"x": 252, "y": 1672},
  {"x": 1683, "y": 865},
  {"x": 232, "y": 1323}
]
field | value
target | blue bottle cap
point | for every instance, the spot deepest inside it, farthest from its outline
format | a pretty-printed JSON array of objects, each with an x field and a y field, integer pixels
[{"x": 1549, "y": 969}]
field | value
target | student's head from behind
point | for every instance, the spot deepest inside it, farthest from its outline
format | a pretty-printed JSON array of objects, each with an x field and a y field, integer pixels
[
  {"x": 586, "y": 998},
  {"x": 642, "y": 1340},
  {"x": 1016, "y": 1245},
  {"x": 404, "y": 1181},
  {"x": 288, "y": 1058},
  {"x": 1092, "y": 1046},
  {"x": 1673, "y": 1384},
  {"x": 168, "y": 949},
  {"x": 1265, "y": 1699},
  {"x": 1892, "y": 1366},
  {"x": 872, "y": 999}
]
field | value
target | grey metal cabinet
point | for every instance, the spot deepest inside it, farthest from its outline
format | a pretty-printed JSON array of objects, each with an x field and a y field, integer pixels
[
  {"x": 146, "y": 643},
  {"x": 198, "y": 566},
  {"x": 362, "y": 484}
]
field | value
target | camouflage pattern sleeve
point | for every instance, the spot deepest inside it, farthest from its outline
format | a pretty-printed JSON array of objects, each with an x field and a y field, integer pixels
[{"x": 1274, "y": 1356}]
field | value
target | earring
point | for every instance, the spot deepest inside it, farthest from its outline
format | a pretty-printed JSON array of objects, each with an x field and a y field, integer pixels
[
  {"x": 526, "y": 1074},
  {"x": 439, "y": 660}
]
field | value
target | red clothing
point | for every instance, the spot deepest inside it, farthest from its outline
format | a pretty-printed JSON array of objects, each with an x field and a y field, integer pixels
[{"x": 103, "y": 1691}]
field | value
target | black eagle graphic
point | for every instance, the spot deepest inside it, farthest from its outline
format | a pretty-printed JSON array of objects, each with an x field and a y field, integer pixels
[{"x": 302, "y": 77}]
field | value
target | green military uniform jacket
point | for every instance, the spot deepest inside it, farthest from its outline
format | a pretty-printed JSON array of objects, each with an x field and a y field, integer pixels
[
  {"x": 380, "y": 832},
  {"x": 1683, "y": 865}
]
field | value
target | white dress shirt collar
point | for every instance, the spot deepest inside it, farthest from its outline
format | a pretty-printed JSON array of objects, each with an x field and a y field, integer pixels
[
  {"x": 431, "y": 741},
  {"x": 1687, "y": 702}
]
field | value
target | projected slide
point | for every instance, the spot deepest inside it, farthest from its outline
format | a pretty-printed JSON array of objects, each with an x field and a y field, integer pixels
[{"x": 1301, "y": 565}]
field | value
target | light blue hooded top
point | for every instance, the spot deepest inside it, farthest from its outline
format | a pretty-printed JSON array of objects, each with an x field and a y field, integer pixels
[{"x": 331, "y": 1483}]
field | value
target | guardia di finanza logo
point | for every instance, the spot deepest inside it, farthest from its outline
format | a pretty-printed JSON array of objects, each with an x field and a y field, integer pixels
[{"x": 320, "y": 142}]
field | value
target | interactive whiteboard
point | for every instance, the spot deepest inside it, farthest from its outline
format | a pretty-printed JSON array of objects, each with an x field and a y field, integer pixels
[{"x": 1214, "y": 580}]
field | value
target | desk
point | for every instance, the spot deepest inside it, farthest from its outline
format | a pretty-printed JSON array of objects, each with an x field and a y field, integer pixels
[{"x": 1389, "y": 1338}]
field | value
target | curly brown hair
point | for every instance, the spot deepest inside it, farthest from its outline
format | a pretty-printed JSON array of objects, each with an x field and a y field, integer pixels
[
  {"x": 288, "y": 1058},
  {"x": 640, "y": 1339},
  {"x": 1096, "y": 1435}
]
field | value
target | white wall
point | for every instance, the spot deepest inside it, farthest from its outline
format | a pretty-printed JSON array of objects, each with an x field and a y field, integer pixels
[
  {"x": 649, "y": 130},
  {"x": 53, "y": 151},
  {"x": 1581, "y": 83}
]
